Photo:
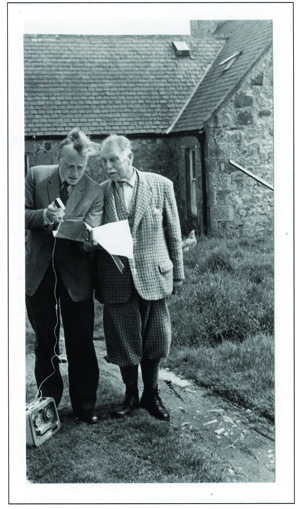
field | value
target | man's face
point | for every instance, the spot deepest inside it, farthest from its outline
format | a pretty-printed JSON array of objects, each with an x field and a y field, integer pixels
[
  {"x": 117, "y": 164},
  {"x": 72, "y": 164}
]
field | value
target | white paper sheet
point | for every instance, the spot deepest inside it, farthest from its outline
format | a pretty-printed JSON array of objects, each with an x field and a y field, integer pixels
[{"x": 115, "y": 238}]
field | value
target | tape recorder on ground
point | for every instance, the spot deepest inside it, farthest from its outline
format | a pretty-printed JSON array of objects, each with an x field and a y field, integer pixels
[{"x": 42, "y": 421}]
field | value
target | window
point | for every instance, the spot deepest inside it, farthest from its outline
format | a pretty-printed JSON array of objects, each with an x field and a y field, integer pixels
[
  {"x": 191, "y": 180},
  {"x": 181, "y": 49}
]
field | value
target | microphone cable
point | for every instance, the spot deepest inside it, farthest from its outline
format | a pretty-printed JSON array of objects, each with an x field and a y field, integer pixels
[{"x": 62, "y": 358}]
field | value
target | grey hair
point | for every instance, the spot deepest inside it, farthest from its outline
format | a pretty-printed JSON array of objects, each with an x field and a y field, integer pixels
[{"x": 122, "y": 142}]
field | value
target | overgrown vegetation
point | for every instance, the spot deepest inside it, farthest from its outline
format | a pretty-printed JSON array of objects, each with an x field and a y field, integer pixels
[{"x": 223, "y": 320}]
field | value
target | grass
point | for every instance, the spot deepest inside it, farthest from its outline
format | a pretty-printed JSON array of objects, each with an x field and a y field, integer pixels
[
  {"x": 240, "y": 372},
  {"x": 223, "y": 321},
  {"x": 137, "y": 449},
  {"x": 228, "y": 294}
]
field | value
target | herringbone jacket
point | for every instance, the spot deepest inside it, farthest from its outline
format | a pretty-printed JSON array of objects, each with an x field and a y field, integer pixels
[{"x": 156, "y": 238}]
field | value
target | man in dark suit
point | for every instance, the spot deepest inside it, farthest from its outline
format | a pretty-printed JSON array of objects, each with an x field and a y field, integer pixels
[
  {"x": 136, "y": 317},
  {"x": 59, "y": 273}
]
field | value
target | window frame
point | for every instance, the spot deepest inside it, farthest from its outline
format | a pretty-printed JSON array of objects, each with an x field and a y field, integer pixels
[{"x": 191, "y": 180}]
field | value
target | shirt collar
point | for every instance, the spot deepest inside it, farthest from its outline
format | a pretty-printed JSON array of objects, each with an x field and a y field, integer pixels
[{"x": 130, "y": 181}]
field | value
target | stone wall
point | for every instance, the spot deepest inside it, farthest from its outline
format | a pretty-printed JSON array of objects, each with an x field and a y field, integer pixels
[{"x": 242, "y": 130}]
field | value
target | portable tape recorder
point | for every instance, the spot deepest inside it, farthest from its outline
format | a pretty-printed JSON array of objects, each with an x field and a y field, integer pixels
[{"x": 42, "y": 421}]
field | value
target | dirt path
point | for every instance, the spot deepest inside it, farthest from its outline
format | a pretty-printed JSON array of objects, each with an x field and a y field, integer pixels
[{"x": 246, "y": 444}]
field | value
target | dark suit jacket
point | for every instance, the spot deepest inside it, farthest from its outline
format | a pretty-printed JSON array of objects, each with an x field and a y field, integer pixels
[
  {"x": 157, "y": 244},
  {"x": 85, "y": 202}
]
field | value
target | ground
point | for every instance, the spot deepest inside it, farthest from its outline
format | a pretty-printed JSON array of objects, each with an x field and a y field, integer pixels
[{"x": 245, "y": 442}]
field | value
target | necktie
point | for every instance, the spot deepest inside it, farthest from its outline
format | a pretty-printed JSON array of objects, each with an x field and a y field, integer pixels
[
  {"x": 121, "y": 193},
  {"x": 64, "y": 193}
]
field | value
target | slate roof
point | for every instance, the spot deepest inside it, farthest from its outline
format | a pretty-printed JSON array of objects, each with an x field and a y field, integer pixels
[
  {"x": 107, "y": 84},
  {"x": 252, "y": 37}
]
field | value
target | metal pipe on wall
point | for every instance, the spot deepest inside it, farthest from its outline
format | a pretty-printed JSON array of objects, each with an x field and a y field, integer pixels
[{"x": 247, "y": 172}]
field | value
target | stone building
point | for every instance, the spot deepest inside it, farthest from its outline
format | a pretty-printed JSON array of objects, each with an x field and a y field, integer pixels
[{"x": 188, "y": 103}]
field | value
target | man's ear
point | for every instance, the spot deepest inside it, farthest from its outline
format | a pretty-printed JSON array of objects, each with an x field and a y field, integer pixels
[{"x": 131, "y": 156}]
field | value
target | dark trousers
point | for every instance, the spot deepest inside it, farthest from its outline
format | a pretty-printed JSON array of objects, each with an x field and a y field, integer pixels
[{"x": 78, "y": 323}]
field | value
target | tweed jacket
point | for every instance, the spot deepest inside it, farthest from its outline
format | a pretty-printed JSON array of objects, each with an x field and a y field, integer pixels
[
  {"x": 156, "y": 238},
  {"x": 85, "y": 202}
]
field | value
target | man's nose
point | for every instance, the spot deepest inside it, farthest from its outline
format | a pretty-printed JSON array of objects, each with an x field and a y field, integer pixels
[
  {"x": 75, "y": 172},
  {"x": 109, "y": 165}
]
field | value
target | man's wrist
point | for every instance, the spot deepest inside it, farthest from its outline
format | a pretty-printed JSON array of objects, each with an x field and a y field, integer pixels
[{"x": 46, "y": 219}]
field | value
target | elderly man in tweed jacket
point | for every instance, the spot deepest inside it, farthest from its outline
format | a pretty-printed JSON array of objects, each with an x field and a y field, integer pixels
[{"x": 136, "y": 317}]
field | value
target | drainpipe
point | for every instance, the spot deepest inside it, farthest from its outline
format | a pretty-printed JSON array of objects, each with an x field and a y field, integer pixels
[{"x": 200, "y": 135}]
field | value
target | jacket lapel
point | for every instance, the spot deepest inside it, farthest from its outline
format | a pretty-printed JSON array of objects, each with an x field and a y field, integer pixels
[
  {"x": 143, "y": 199},
  {"x": 75, "y": 197},
  {"x": 54, "y": 185},
  {"x": 109, "y": 204},
  {"x": 54, "y": 192}
]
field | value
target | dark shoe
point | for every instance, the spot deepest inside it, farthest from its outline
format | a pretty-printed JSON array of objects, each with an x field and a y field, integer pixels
[
  {"x": 152, "y": 402},
  {"x": 130, "y": 403},
  {"x": 88, "y": 416}
]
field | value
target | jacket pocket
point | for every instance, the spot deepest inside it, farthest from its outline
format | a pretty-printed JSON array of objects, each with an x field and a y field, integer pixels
[
  {"x": 157, "y": 217},
  {"x": 165, "y": 267}
]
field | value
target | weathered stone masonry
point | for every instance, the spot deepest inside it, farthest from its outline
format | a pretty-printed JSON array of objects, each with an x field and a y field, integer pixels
[{"x": 242, "y": 130}]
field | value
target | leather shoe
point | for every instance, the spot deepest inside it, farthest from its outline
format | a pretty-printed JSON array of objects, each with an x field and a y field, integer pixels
[
  {"x": 130, "y": 403},
  {"x": 152, "y": 402},
  {"x": 88, "y": 416}
]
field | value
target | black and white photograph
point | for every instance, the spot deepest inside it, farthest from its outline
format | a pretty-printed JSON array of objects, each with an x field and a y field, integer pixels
[{"x": 151, "y": 284}]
